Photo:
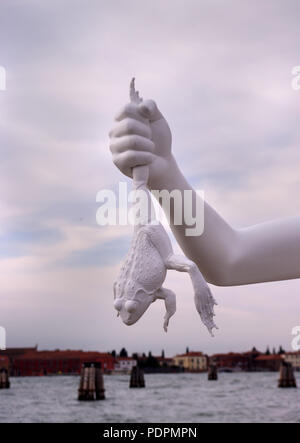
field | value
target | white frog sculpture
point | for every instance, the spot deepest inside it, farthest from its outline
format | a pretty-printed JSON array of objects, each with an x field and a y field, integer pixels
[{"x": 144, "y": 271}]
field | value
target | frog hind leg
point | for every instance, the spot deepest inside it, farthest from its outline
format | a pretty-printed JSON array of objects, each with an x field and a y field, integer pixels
[
  {"x": 204, "y": 301},
  {"x": 170, "y": 302}
]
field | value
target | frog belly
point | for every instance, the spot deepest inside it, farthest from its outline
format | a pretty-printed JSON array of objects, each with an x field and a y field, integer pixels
[{"x": 149, "y": 271}]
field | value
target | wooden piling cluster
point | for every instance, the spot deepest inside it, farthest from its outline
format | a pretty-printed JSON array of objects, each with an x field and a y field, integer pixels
[
  {"x": 91, "y": 385},
  {"x": 4, "y": 379},
  {"x": 137, "y": 379},
  {"x": 286, "y": 376},
  {"x": 212, "y": 372}
]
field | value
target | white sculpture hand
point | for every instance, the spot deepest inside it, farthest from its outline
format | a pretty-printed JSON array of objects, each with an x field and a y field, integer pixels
[{"x": 141, "y": 136}]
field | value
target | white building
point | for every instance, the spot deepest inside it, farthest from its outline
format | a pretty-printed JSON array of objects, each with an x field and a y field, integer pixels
[
  {"x": 192, "y": 361},
  {"x": 125, "y": 364}
]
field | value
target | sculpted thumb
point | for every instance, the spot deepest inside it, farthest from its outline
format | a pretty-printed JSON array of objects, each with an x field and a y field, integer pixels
[{"x": 149, "y": 110}]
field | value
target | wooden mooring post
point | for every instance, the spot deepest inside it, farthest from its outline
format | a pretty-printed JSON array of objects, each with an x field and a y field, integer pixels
[
  {"x": 212, "y": 372},
  {"x": 286, "y": 376},
  {"x": 137, "y": 379},
  {"x": 91, "y": 386},
  {"x": 4, "y": 379}
]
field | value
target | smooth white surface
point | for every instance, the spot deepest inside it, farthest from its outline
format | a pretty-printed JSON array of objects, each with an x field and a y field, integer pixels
[{"x": 225, "y": 256}]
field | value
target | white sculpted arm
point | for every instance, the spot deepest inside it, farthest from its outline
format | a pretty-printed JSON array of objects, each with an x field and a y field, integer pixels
[{"x": 224, "y": 255}]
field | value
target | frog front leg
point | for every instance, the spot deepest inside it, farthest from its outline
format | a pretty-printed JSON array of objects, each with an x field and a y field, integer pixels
[
  {"x": 170, "y": 302},
  {"x": 203, "y": 298}
]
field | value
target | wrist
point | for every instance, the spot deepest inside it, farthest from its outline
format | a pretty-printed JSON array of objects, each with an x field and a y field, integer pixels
[{"x": 167, "y": 175}]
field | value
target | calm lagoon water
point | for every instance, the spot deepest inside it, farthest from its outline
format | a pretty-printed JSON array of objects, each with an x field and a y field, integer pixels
[{"x": 183, "y": 398}]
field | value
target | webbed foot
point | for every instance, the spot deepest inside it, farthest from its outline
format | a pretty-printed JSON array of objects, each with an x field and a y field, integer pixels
[{"x": 205, "y": 302}]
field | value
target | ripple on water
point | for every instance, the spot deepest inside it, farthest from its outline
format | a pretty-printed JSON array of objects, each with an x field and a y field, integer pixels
[{"x": 166, "y": 398}]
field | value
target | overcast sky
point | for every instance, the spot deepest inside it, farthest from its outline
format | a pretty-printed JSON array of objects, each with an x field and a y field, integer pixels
[{"x": 221, "y": 73}]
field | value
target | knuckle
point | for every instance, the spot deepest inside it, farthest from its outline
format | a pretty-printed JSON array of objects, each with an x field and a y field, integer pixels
[
  {"x": 152, "y": 103},
  {"x": 134, "y": 141},
  {"x": 126, "y": 111},
  {"x": 129, "y": 126},
  {"x": 151, "y": 145},
  {"x": 128, "y": 108},
  {"x": 131, "y": 142},
  {"x": 111, "y": 147},
  {"x": 116, "y": 160},
  {"x": 122, "y": 112},
  {"x": 111, "y": 132},
  {"x": 131, "y": 158}
]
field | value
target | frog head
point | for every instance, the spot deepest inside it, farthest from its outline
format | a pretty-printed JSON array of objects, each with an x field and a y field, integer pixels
[{"x": 131, "y": 307}]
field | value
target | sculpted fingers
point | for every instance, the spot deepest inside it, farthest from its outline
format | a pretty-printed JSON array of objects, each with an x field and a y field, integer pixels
[
  {"x": 131, "y": 142},
  {"x": 131, "y": 110},
  {"x": 139, "y": 136},
  {"x": 127, "y": 160},
  {"x": 146, "y": 111},
  {"x": 130, "y": 126}
]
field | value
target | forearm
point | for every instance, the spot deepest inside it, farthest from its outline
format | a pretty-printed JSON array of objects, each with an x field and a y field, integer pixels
[
  {"x": 268, "y": 252},
  {"x": 227, "y": 257},
  {"x": 212, "y": 250}
]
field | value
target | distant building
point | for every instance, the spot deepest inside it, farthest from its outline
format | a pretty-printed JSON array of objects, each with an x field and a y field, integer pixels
[
  {"x": 59, "y": 362},
  {"x": 232, "y": 360},
  {"x": 165, "y": 362},
  {"x": 4, "y": 362},
  {"x": 13, "y": 353},
  {"x": 191, "y": 361},
  {"x": 252, "y": 356},
  {"x": 125, "y": 364},
  {"x": 245, "y": 361},
  {"x": 293, "y": 358},
  {"x": 268, "y": 362}
]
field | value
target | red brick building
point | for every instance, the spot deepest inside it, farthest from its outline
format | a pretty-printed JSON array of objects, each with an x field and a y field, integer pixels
[
  {"x": 4, "y": 362},
  {"x": 231, "y": 360},
  {"x": 13, "y": 353},
  {"x": 59, "y": 362},
  {"x": 245, "y": 361},
  {"x": 269, "y": 362}
]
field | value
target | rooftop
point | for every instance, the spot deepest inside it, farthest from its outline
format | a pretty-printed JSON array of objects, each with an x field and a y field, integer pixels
[
  {"x": 191, "y": 354},
  {"x": 269, "y": 357},
  {"x": 63, "y": 354}
]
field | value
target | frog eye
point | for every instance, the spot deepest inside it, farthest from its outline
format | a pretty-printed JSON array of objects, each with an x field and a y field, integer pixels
[
  {"x": 131, "y": 306},
  {"x": 118, "y": 304}
]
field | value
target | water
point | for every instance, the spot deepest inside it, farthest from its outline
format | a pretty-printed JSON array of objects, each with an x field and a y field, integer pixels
[{"x": 183, "y": 398}]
